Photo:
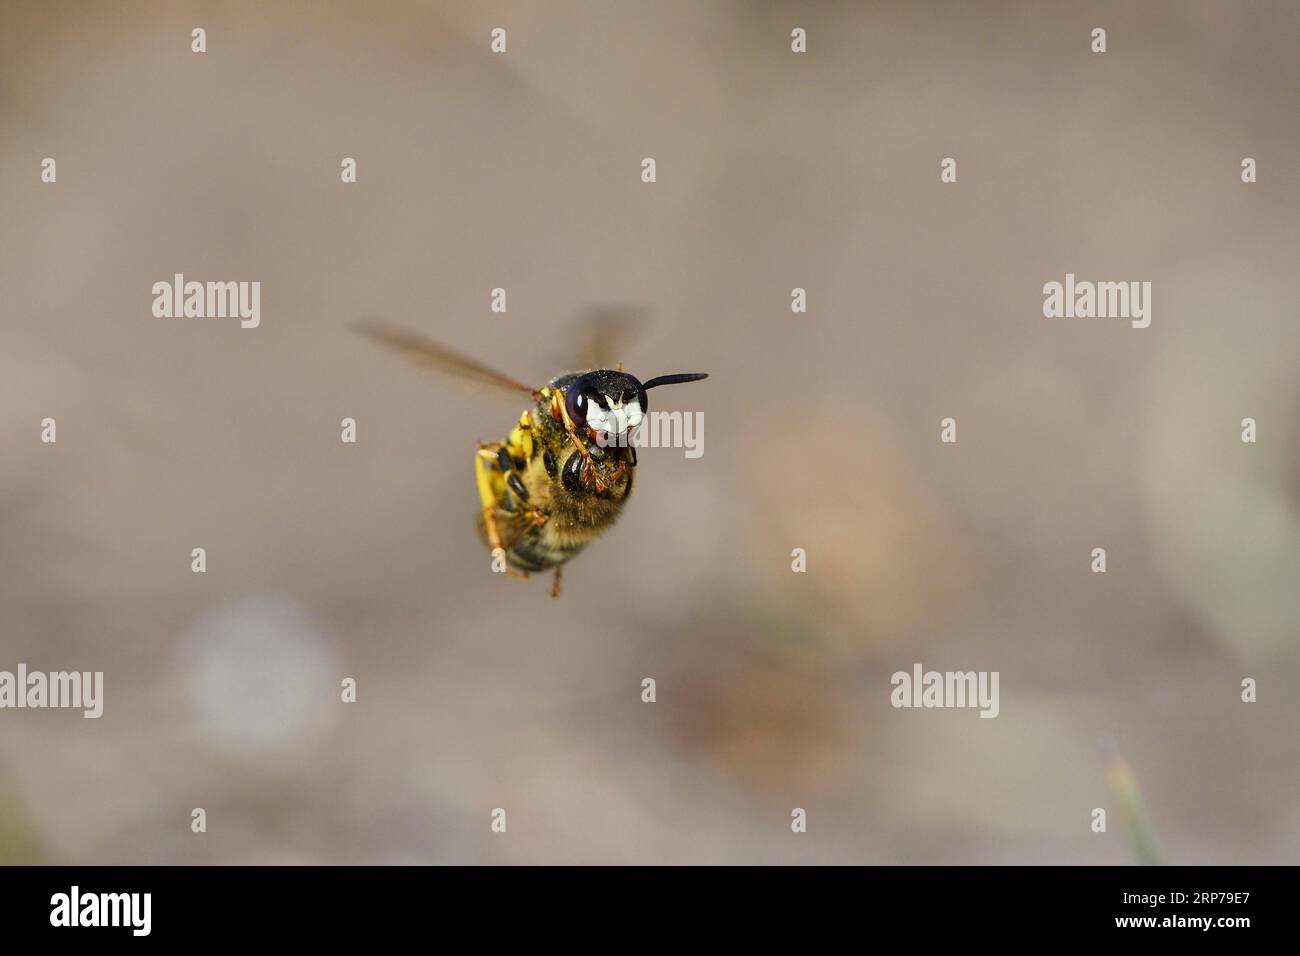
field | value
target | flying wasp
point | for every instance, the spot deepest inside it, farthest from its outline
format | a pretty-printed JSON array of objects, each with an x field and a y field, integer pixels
[{"x": 562, "y": 475}]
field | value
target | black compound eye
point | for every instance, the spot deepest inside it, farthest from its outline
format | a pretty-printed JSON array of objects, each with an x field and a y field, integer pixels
[
  {"x": 576, "y": 399},
  {"x": 643, "y": 402}
]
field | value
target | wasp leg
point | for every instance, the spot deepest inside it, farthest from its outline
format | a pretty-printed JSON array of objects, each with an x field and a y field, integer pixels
[
  {"x": 555, "y": 582},
  {"x": 516, "y": 484},
  {"x": 588, "y": 463},
  {"x": 535, "y": 515},
  {"x": 522, "y": 446},
  {"x": 490, "y": 497},
  {"x": 559, "y": 409}
]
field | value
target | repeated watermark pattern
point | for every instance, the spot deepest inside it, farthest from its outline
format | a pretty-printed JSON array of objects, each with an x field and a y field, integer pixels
[{"x": 518, "y": 477}]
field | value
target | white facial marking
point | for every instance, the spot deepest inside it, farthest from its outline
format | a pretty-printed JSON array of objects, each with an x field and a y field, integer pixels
[
  {"x": 615, "y": 420},
  {"x": 597, "y": 418},
  {"x": 633, "y": 413}
]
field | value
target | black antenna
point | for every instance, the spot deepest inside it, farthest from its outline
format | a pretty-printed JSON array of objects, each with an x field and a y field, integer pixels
[{"x": 674, "y": 379}]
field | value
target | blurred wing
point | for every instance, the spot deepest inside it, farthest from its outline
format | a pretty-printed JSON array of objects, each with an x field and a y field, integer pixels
[
  {"x": 607, "y": 332},
  {"x": 427, "y": 352}
]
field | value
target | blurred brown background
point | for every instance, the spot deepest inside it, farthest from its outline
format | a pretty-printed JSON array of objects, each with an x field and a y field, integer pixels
[{"x": 822, "y": 430}]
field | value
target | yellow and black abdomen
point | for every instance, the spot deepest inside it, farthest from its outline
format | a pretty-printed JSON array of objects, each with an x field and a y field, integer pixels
[{"x": 542, "y": 549}]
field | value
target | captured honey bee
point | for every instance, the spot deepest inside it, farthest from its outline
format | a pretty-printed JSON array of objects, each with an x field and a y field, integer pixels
[{"x": 562, "y": 475}]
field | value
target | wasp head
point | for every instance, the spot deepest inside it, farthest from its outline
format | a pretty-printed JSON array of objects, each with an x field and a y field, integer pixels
[{"x": 610, "y": 404}]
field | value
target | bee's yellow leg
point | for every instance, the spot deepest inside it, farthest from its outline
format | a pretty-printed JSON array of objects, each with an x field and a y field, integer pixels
[
  {"x": 491, "y": 488},
  {"x": 555, "y": 582}
]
